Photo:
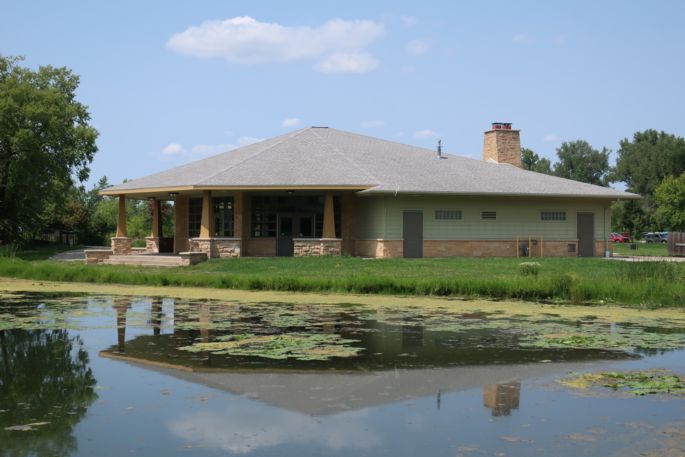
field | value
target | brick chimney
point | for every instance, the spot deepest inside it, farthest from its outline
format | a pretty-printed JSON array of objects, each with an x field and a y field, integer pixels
[{"x": 502, "y": 144}]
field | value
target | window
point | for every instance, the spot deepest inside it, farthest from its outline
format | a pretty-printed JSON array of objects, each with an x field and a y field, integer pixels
[
  {"x": 194, "y": 217},
  {"x": 264, "y": 216},
  {"x": 223, "y": 216},
  {"x": 447, "y": 215},
  {"x": 309, "y": 208},
  {"x": 488, "y": 215},
  {"x": 553, "y": 215}
]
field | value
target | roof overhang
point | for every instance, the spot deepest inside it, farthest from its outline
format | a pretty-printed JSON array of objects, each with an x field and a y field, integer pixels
[{"x": 145, "y": 192}]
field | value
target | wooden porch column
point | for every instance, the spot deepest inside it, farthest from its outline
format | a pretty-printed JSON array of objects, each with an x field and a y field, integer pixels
[
  {"x": 328, "y": 217},
  {"x": 156, "y": 219},
  {"x": 207, "y": 223},
  {"x": 121, "y": 221}
]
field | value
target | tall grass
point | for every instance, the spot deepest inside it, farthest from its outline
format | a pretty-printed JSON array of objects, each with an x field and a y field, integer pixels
[{"x": 565, "y": 280}]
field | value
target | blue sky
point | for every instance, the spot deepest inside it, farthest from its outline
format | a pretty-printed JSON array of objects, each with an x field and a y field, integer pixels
[{"x": 169, "y": 82}]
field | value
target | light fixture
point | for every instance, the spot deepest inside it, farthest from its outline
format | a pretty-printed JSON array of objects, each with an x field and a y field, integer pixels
[
  {"x": 173, "y": 195},
  {"x": 290, "y": 192}
]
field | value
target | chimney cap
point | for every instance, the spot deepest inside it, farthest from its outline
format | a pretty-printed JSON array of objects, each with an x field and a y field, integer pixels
[{"x": 501, "y": 126}]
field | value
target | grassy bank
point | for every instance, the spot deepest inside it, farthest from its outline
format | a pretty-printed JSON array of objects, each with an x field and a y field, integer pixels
[{"x": 576, "y": 280}]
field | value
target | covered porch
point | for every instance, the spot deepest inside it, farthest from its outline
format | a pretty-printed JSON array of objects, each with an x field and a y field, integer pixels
[{"x": 224, "y": 223}]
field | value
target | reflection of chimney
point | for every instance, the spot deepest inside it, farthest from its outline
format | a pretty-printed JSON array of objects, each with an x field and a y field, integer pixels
[
  {"x": 502, "y": 398},
  {"x": 502, "y": 144}
]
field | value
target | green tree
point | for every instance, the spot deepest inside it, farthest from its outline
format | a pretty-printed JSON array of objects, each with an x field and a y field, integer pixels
[
  {"x": 670, "y": 196},
  {"x": 45, "y": 376},
  {"x": 644, "y": 162},
  {"x": 579, "y": 161},
  {"x": 46, "y": 143},
  {"x": 533, "y": 162}
]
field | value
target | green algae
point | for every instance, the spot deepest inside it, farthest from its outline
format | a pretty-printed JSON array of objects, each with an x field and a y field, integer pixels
[
  {"x": 648, "y": 382},
  {"x": 298, "y": 346}
]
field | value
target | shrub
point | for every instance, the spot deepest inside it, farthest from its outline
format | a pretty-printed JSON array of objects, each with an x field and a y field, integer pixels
[{"x": 529, "y": 268}]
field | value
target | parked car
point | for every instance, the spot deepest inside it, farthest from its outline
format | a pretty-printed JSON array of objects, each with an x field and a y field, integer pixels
[
  {"x": 618, "y": 238},
  {"x": 656, "y": 237}
]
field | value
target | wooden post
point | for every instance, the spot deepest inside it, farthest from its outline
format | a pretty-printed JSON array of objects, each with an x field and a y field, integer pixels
[
  {"x": 121, "y": 221},
  {"x": 207, "y": 224},
  {"x": 156, "y": 218},
  {"x": 328, "y": 217}
]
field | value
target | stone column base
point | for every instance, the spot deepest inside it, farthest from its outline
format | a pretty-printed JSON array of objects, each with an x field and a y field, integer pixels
[
  {"x": 306, "y": 247},
  {"x": 217, "y": 248},
  {"x": 152, "y": 244},
  {"x": 121, "y": 245},
  {"x": 95, "y": 256}
]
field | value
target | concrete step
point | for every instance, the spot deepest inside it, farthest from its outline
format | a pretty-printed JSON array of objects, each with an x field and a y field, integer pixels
[{"x": 147, "y": 260}]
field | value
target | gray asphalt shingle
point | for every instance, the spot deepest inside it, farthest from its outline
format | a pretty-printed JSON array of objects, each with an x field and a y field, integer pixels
[{"x": 329, "y": 157}]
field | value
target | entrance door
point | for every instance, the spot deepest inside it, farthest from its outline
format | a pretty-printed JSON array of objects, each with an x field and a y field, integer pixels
[
  {"x": 284, "y": 238},
  {"x": 412, "y": 230},
  {"x": 586, "y": 234}
]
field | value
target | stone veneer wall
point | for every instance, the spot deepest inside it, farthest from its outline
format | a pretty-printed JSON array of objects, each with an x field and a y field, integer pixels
[
  {"x": 217, "y": 247},
  {"x": 121, "y": 245},
  {"x": 152, "y": 244},
  {"x": 306, "y": 247},
  {"x": 502, "y": 146}
]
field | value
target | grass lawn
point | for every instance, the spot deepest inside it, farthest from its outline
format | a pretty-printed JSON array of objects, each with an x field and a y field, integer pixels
[
  {"x": 643, "y": 249},
  {"x": 596, "y": 280}
]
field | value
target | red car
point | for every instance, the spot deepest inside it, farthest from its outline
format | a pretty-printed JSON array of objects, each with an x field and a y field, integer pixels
[{"x": 618, "y": 238}]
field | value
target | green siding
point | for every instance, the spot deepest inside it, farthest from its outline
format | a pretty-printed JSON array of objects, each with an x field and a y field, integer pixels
[{"x": 381, "y": 217}]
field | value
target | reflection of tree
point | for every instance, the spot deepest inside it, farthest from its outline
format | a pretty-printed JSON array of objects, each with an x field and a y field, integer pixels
[{"x": 44, "y": 377}]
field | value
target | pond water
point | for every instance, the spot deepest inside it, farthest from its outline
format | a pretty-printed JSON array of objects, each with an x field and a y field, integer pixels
[{"x": 111, "y": 376}]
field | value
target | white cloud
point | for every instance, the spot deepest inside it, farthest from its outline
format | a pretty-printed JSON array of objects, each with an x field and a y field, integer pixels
[
  {"x": 550, "y": 138},
  {"x": 361, "y": 62},
  {"x": 408, "y": 21},
  {"x": 172, "y": 149},
  {"x": 425, "y": 134},
  {"x": 206, "y": 149},
  {"x": 521, "y": 38},
  {"x": 417, "y": 47},
  {"x": 244, "y": 40},
  {"x": 372, "y": 124},
  {"x": 244, "y": 430},
  {"x": 247, "y": 140},
  {"x": 291, "y": 122}
]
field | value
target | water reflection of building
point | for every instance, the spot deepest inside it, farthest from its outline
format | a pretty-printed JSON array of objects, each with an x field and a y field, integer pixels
[
  {"x": 121, "y": 306},
  {"x": 502, "y": 398}
]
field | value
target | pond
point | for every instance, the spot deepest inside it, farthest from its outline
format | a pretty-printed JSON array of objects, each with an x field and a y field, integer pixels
[{"x": 89, "y": 374}]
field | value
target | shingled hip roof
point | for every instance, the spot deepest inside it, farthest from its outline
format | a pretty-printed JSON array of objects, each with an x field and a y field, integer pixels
[{"x": 328, "y": 158}]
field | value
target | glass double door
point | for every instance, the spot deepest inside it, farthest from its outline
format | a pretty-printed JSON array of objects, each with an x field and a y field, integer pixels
[{"x": 291, "y": 226}]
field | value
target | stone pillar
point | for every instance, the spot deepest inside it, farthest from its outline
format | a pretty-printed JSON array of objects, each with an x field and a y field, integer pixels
[
  {"x": 152, "y": 242},
  {"x": 121, "y": 243},
  {"x": 328, "y": 217},
  {"x": 181, "y": 224},
  {"x": 207, "y": 224}
]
